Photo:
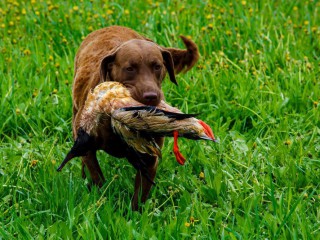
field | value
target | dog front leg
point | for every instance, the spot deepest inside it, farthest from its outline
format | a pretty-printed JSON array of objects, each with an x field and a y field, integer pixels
[
  {"x": 143, "y": 184},
  {"x": 91, "y": 162}
]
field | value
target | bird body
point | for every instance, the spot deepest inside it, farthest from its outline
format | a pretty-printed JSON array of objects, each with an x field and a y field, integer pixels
[{"x": 135, "y": 123}]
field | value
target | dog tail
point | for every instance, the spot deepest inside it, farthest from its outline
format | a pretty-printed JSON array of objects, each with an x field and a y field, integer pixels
[{"x": 184, "y": 59}]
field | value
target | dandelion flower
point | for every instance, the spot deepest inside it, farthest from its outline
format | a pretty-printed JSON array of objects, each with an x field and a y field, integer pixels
[
  {"x": 33, "y": 163},
  {"x": 26, "y": 52},
  {"x": 288, "y": 142}
]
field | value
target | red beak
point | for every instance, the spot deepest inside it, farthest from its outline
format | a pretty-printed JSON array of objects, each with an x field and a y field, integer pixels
[{"x": 207, "y": 130}]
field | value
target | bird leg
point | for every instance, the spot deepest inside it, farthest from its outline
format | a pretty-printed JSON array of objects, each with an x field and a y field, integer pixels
[
  {"x": 180, "y": 158},
  {"x": 207, "y": 130}
]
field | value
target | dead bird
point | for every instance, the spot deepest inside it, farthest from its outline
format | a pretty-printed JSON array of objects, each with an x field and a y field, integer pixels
[
  {"x": 135, "y": 123},
  {"x": 138, "y": 125}
]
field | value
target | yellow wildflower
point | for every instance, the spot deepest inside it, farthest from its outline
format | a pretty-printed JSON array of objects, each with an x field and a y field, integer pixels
[
  {"x": 33, "y": 163},
  {"x": 109, "y": 12},
  {"x": 26, "y": 52},
  {"x": 35, "y": 93},
  {"x": 288, "y": 142},
  {"x": 201, "y": 175}
]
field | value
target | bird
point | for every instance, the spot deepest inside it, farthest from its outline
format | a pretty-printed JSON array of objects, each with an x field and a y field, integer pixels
[
  {"x": 135, "y": 123},
  {"x": 151, "y": 121}
]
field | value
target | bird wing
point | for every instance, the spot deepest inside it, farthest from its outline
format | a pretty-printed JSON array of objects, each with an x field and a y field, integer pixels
[
  {"x": 154, "y": 121},
  {"x": 135, "y": 139}
]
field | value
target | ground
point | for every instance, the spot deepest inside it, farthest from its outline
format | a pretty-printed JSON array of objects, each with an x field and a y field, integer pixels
[{"x": 257, "y": 84}]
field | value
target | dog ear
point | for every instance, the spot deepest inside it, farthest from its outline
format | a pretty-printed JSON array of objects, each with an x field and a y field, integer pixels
[
  {"x": 168, "y": 62},
  {"x": 184, "y": 59},
  {"x": 106, "y": 66}
]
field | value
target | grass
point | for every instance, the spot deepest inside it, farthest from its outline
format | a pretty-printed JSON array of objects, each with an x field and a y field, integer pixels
[{"x": 257, "y": 84}]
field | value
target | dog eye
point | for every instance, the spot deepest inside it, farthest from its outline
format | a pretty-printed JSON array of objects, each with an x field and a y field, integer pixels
[
  {"x": 129, "y": 69},
  {"x": 157, "y": 67}
]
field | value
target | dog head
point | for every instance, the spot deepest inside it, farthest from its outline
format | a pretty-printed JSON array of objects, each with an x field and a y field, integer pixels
[{"x": 141, "y": 66}]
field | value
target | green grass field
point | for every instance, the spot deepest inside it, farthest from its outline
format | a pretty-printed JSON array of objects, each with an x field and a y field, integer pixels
[{"x": 257, "y": 84}]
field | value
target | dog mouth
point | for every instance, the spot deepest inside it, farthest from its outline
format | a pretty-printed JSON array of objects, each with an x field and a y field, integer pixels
[
  {"x": 150, "y": 98},
  {"x": 153, "y": 102}
]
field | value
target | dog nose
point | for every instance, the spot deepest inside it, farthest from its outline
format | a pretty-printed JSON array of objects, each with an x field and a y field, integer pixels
[{"x": 150, "y": 96}]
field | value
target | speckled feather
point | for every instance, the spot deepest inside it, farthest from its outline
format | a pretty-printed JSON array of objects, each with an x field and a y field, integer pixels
[{"x": 136, "y": 127}]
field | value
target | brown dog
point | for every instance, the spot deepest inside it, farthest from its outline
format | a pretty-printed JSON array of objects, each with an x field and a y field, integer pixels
[{"x": 120, "y": 54}]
